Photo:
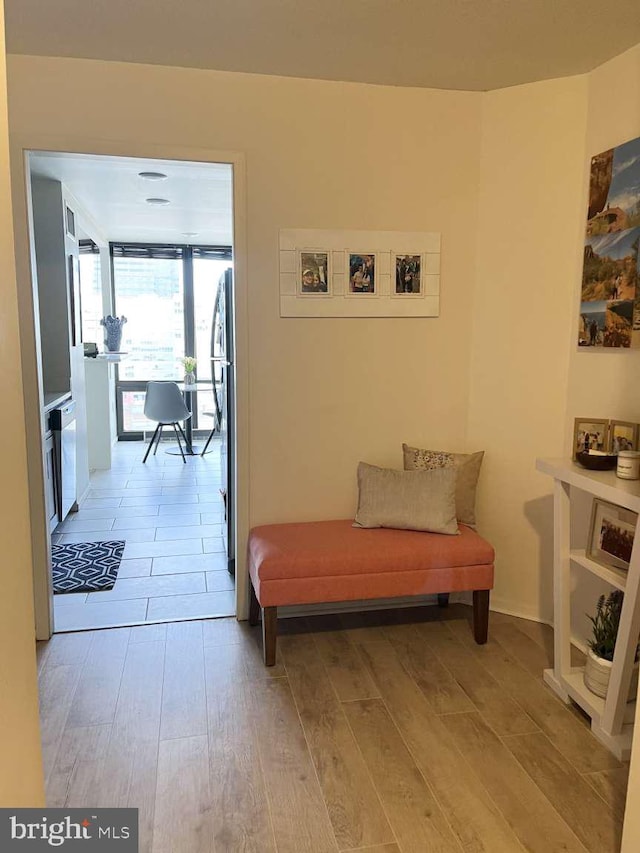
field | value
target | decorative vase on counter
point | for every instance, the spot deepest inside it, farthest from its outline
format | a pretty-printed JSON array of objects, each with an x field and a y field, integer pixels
[
  {"x": 113, "y": 327},
  {"x": 189, "y": 378}
]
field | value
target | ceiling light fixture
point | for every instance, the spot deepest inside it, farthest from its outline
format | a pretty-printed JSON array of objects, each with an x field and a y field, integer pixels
[
  {"x": 158, "y": 201},
  {"x": 152, "y": 176},
  {"x": 190, "y": 233}
]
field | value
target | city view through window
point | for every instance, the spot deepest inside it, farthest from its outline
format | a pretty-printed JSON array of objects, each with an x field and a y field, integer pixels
[{"x": 161, "y": 329}]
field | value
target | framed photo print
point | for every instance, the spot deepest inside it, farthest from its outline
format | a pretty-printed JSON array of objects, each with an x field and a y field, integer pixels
[
  {"x": 611, "y": 535},
  {"x": 622, "y": 436},
  {"x": 362, "y": 273},
  {"x": 590, "y": 434},
  {"x": 313, "y": 273},
  {"x": 408, "y": 272}
]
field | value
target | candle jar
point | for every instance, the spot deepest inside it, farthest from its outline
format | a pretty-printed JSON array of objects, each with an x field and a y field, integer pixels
[{"x": 628, "y": 465}]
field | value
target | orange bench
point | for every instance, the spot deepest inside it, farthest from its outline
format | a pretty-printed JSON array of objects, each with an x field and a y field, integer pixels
[{"x": 323, "y": 561}]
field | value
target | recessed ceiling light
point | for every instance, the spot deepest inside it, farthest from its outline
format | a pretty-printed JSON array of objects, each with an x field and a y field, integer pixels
[
  {"x": 152, "y": 176},
  {"x": 190, "y": 233},
  {"x": 158, "y": 201}
]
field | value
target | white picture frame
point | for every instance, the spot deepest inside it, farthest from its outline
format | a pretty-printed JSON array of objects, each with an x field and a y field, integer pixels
[
  {"x": 405, "y": 281},
  {"x": 314, "y": 274},
  {"x": 296, "y": 245},
  {"x": 611, "y": 535},
  {"x": 362, "y": 275}
]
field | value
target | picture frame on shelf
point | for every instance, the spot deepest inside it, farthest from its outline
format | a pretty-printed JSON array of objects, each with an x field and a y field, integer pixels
[
  {"x": 590, "y": 434},
  {"x": 611, "y": 535},
  {"x": 314, "y": 273},
  {"x": 623, "y": 435},
  {"x": 408, "y": 273},
  {"x": 362, "y": 274}
]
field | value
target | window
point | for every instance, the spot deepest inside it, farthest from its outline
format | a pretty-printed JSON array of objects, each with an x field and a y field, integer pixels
[
  {"x": 149, "y": 291},
  {"x": 91, "y": 293},
  {"x": 167, "y": 293}
]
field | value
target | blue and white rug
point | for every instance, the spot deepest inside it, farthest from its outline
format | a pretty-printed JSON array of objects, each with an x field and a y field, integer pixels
[{"x": 85, "y": 566}]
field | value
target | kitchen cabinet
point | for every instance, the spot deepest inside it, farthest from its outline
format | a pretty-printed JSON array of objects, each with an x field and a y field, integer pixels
[{"x": 56, "y": 252}]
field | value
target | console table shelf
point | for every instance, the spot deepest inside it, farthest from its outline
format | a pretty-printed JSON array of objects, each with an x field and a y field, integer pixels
[
  {"x": 615, "y": 577},
  {"x": 611, "y": 719}
]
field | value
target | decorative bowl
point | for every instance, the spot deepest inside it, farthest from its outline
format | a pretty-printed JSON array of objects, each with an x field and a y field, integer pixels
[{"x": 597, "y": 462}]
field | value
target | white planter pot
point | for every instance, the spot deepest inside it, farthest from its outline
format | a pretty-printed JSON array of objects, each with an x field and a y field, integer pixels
[{"x": 597, "y": 673}]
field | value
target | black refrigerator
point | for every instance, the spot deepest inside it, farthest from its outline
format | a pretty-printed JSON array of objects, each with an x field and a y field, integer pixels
[{"x": 223, "y": 375}]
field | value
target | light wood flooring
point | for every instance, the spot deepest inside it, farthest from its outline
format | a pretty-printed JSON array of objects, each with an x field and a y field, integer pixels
[{"x": 388, "y": 733}]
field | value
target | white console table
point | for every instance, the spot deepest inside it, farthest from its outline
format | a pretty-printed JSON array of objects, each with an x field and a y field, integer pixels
[{"x": 611, "y": 719}]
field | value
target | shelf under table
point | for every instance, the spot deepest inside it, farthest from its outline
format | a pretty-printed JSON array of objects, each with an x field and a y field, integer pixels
[
  {"x": 572, "y": 683},
  {"x": 613, "y": 576}
]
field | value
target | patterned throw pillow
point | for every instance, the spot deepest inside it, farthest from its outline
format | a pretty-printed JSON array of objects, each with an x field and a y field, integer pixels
[{"x": 467, "y": 467}]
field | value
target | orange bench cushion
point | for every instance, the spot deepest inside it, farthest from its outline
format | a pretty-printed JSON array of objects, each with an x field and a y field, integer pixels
[{"x": 333, "y": 561}]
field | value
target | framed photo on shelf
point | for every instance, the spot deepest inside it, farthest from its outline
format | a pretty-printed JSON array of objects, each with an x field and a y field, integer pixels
[
  {"x": 408, "y": 275},
  {"x": 611, "y": 535},
  {"x": 362, "y": 274},
  {"x": 590, "y": 434},
  {"x": 622, "y": 436},
  {"x": 314, "y": 277}
]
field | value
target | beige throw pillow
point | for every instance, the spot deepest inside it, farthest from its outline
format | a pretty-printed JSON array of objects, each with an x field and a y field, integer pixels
[
  {"x": 407, "y": 500},
  {"x": 467, "y": 466}
]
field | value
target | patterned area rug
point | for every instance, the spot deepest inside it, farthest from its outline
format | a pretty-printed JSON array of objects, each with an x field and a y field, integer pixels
[{"x": 85, "y": 566}]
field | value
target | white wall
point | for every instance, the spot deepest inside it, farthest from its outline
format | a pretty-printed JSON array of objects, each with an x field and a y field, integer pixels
[
  {"x": 324, "y": 393},
  {"x": 502, "y": 175},
  {"x": 531, "y": 189},
  {"x": 21, "y": 782}
]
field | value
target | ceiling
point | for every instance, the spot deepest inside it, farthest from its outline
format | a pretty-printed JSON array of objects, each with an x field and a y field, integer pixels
[
  {"x": 112, "y": 192},
  {"x": 447, "y": 44}
]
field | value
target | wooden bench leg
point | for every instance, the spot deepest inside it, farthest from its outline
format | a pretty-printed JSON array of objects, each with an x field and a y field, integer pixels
[
  {"x": 443, "y": 599},
  {"x": 269, "y": 634},
  {"x": 480, "y": 615},
  {"x": 254, "y": 605}
]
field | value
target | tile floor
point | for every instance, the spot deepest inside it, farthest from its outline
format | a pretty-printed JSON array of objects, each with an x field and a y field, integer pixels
[{"x": 169, "y": 514}]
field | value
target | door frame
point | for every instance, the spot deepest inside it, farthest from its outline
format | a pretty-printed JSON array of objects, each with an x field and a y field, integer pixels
[{"x": 31, "y": 358}]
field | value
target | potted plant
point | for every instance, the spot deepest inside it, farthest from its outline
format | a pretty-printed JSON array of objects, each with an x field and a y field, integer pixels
[
  {"x": 602, "y": 645},
  {"x": 189, "y": 363}
]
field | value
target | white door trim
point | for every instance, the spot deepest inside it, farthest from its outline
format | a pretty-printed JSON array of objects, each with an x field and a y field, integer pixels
[{"x": 20, "y": 146}]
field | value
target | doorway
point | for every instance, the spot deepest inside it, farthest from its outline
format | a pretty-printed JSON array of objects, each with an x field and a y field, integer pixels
[{"x": 152, "y": 508}]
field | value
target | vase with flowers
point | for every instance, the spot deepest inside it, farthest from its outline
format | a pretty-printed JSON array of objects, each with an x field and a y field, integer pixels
[
  {"x": 113, "y": 327},
  {"x": 189, "y": 364}
]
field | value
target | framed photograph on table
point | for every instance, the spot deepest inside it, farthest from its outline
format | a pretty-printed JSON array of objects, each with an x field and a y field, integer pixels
[
  {"x": 611, "y": 535},
  {"x": 622, "y": 436},
  {"x": 590, "y": 434}
]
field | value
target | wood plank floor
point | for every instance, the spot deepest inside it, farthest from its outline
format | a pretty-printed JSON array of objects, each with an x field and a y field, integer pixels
[{"x": 388, "y": 732}]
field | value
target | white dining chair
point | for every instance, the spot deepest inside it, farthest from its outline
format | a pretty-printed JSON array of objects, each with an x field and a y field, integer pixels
[{"x": 165, "y": 404}]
